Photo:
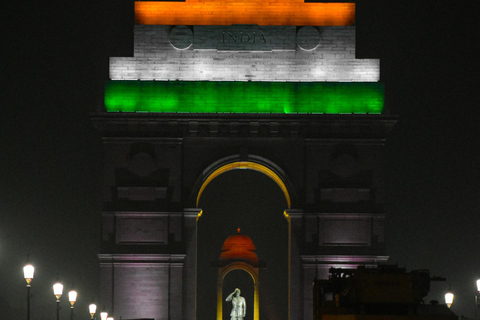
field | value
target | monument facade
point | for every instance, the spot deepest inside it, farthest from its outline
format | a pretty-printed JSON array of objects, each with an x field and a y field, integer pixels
[{"x": 215, "y": 86}]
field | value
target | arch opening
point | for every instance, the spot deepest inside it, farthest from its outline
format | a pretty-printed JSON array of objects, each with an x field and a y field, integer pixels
[
  {"x": 246, "y": 165},
  {"x": 245, "y": 199}
]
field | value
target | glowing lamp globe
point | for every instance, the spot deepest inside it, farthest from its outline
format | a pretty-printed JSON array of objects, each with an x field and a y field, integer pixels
[
  {"x": 103, "y": 315},
  {"x": 58, "y": 290},
  {"x": 72, "y": 297},
  {"x": 28, "y": 271},
  {"x": 478, "y": 285},
  {"x": 92, "y": 309},
  {"x": 449, "y": 299},
  {"x": 110, "y": 318}
]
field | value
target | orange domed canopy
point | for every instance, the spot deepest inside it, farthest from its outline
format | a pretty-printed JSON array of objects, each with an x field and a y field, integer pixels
[{"x": 239, "y": 247}]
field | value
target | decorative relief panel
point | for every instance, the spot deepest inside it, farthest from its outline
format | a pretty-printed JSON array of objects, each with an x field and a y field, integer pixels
[
  {"x": 142, "y": 164},
  {"x": 345, "y": 194},
  {"x": 142, "y": 193},
  {"x": 308, "y": 38},
  {"x": 181, "y": 37},
  {"x": 142, "y": 230},
  {"x": 157, "y": 41},
  {"x": 345, "y": 230},
  {"x": 244, "y": 37}
]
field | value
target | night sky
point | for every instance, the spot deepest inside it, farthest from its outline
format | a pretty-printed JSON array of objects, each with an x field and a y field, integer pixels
[{"x": 55, "y": 62}]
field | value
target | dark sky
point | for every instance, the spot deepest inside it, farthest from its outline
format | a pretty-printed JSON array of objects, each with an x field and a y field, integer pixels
[{"x": 55, "y": 61}]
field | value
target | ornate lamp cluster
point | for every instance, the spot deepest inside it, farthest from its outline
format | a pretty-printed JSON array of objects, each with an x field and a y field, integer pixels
[{"x": 28, "y": 272}]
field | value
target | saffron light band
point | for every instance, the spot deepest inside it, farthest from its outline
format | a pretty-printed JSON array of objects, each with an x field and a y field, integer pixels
[{"x": 216, "y": 12}]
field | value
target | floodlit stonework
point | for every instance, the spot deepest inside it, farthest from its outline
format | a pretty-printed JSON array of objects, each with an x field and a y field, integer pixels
[{"x": 288, "y": 100}]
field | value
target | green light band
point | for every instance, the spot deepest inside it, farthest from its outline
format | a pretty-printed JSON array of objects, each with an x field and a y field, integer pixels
[{"x": 244, "y": 97}]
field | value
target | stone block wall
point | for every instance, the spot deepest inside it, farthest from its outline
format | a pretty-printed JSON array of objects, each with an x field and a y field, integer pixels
[
  {"x": 142, "y": 286},
  {"x": 245, "y": 67},
  {"x": 153, "y": 41},
  {"x": 245, "y": 53}
]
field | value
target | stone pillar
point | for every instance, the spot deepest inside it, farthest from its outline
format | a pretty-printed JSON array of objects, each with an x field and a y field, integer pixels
[
  {"x": 176, "y": 290},
  {"x": 190, "y": 217},
  {"x": 295, "y": 268}
]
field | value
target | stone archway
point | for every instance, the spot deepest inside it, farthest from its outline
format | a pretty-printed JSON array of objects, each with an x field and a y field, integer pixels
[
  {"x": 249, "y": 162},
  {"x": 249, "y": 166},
  {"x": 271, "y": 174}
]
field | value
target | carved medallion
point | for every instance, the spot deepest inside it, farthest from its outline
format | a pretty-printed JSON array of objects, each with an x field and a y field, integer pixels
[{"x": 181, "y": 37}]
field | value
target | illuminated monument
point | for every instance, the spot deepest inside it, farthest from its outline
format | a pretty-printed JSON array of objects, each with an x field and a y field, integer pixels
[{"x": 214, "y": 86}]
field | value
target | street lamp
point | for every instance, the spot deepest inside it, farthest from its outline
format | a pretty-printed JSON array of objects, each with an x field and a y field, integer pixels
[
  {"x": 92, "y": 309},
  {"x": 57, "y": 291},
  {"x": 72, "y": 297},
  {"x": 28, "y": 271},
  {"x": 476, "y": 298},
  {"x": 449, "y": 299},
  {"x": 110, "y": 318}
]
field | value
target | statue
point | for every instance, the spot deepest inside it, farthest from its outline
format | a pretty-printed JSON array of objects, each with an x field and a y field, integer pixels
[{"x": 239, "y": 306}]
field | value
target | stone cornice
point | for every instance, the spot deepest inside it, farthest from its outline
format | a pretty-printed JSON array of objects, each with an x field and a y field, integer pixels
[
  {"x": 140, "y": 259},
  {"x": 224, "y": 125}
]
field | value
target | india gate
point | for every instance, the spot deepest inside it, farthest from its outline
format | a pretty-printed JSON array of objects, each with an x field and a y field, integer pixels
[{"x": 243, "y": 153}]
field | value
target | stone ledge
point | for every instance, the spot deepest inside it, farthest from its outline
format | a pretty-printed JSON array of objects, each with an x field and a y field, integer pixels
[{"x": 167, "y": 126}]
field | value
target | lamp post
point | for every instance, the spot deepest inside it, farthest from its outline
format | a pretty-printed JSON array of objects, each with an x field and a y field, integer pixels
[
  {"x": 72, "y": 297},
  {"x": 57, "y": 291},
  {"x": 449, "y": 299},
  {"x": 28, "y": 271},
  {"x": 477, "y": 294},
  {"x": 92, "y": 309}
]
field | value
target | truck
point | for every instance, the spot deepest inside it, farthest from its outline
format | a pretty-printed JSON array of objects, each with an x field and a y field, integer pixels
[{"x": 384, "y": 292}]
